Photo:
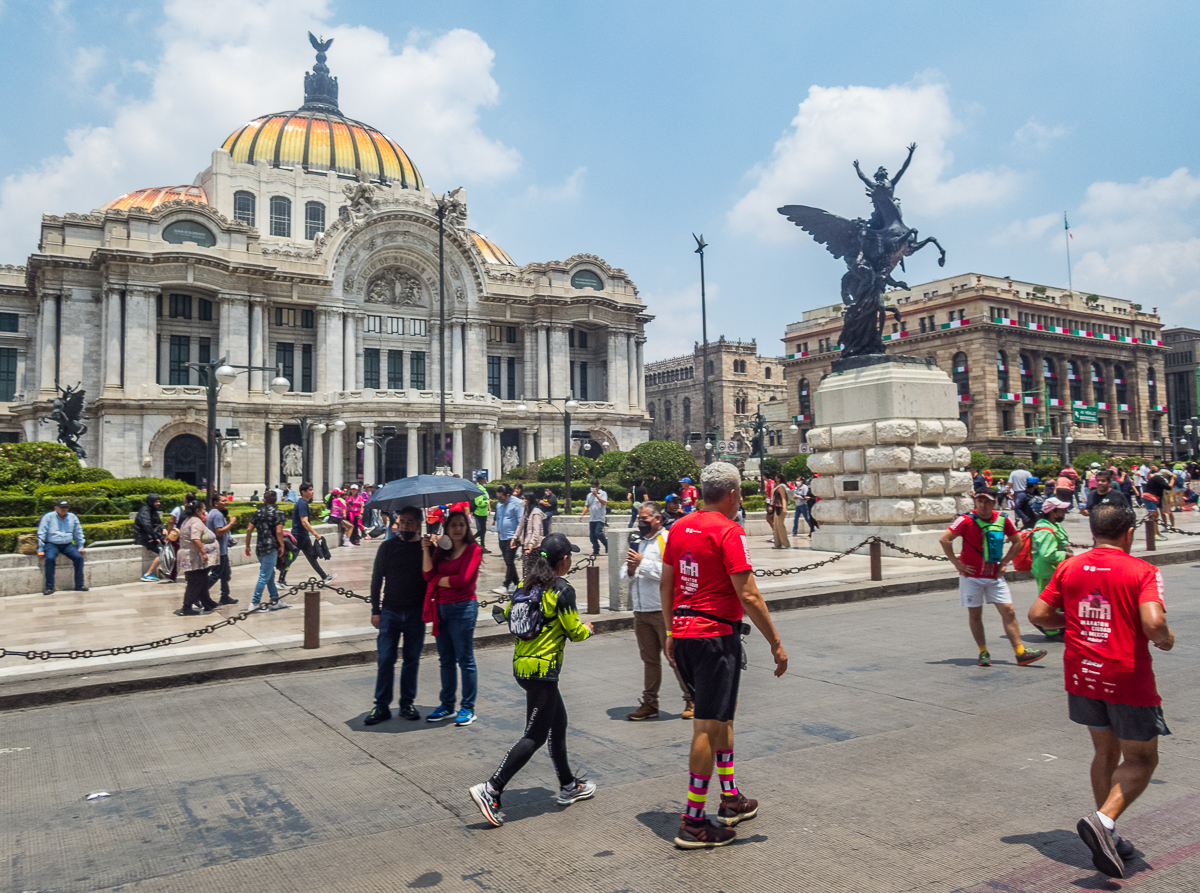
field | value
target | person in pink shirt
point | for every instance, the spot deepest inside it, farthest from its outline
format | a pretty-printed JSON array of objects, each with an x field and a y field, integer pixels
[
  {"x": 338, "y": 514},
  {"x": 451, "y": 606},
  {"x": 354, "y": 513}
]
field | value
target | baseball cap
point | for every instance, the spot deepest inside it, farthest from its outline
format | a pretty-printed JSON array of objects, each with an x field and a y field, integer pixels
[
  {"x": 1053, "y": 502},
  {"x": 556, "y": 547},
  {"x": 989, "y": 493},
  {"x": 685, "y": 480},
  {"x": 62, "y": 504},
  {"x": 671, "y": 497},
  {"x": 1032, "y": 480}
]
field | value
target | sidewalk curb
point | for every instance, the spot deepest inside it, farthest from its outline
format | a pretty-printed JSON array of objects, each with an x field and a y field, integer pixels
[{"x": 347, "y": 654}]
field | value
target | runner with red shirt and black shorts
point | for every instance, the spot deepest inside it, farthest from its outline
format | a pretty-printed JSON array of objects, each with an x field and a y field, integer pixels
[
  {"x": 1112, "y": 606},
  {"x": 707, "y": 582}
]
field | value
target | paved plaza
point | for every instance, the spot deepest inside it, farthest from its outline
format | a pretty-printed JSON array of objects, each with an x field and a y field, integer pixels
[{"x": 885, "y": 760}]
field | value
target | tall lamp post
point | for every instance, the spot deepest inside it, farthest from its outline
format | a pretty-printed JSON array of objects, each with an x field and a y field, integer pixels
[
  {"x": 700, "y": 246},
  {"x": 1192, "y": 430},
  {"x": 385, "y": 436},
  {"x": 230, "y": 440},
  {"x": 1067, "y": 440},
  {"x": 217, "y": 373},
  {"x": 569, "y": 406},
  {"x": 443, "y": 205},
  {"x": 307, "y": 428}
]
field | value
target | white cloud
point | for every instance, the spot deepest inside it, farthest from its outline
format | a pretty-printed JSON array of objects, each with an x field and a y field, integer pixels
[
  {"x": 224, "y": 62},
  {"x": 677, "y": 325},
  {"x": 810, "y": 164},
  {"x": 1026, "y": 230},
  {"x": 568, "y": 190},
  {"x": 1035, "y": 136}
]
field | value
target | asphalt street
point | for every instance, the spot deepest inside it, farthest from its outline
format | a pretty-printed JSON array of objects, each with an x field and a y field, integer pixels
[{"x": 884, "y": 760}]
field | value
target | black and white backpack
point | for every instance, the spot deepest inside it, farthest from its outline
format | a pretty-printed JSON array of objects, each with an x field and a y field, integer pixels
[{"x": 525, "y": 616}]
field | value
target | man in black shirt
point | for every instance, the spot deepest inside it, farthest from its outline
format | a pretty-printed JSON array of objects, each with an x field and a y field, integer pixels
[
  {"x": 398, "y": 573},
  {"x": 1104, "y": 494},
  {"x": 1155, "y": 495},
  {"x": 302, "y": 530},
  {"x": 549, "y": 505}
]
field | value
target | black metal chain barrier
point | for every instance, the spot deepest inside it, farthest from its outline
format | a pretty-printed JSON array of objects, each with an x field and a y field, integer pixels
[
  {"x": 589, "y": 561},
  {"x": 1162, "y": 525},
  {"x": 788, "y": 571}
]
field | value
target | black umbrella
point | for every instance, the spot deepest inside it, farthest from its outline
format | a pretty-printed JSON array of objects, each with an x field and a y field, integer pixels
[{"x": 422, "y": 491}]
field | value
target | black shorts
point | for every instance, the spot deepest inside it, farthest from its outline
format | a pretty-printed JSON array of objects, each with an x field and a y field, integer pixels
[
  {"x": 711, "y": 668},
  {"x": 1127, "y": 722}
]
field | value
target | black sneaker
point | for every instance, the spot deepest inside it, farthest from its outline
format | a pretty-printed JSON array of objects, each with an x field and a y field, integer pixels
[
  {"x": 1125, "y": 848},
  {"x": 282, "y": 581},
  {"x": 377, "y": 715},
  {"x": 736, "y": 809},
  {"x": 488, "y": 805},
  {"x": 226, "y": 600},
  {"x": 410, "y": 713},
  {"x": 702, "y": 834},
  {"x": 47, "y": 592},
  {"x": 1099, "y": 840},
  {"x": 329, "y": 578},
  {"x": 1026, "y": 657}
]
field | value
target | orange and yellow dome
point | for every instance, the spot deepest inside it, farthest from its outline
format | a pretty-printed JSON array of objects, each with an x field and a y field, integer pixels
[
  {"x": 151, "y": 198},
  {"x": 492, "y": 253},
  {"x": 322, "y": 140}
]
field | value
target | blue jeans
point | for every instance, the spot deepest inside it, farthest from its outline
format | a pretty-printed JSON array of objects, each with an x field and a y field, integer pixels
[
  {"x": 393, "y": 625},
  {"x": 801, "y": 512},
  {"x": 596, "y": 532},
  {"x": 266, "y": 577},
  {"x": 456, "y": 648},
  {"x": 52, "y": 551}
]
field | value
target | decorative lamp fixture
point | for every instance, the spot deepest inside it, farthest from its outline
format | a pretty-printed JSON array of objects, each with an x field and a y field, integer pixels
[
  {"x": 339, "y": 426},
  {"x": 226, "y": 374},
  {"x": 571, "y": 405},
  {"x": 1070, "y": 439},
  {"x": 280, "y": 385},
  {"x": 360, "y": 443},
  {"x": 708, "y": 445},
  {"x": 522, "y": 408},
  {"x": 319, "y": 428},
  {"x": 1038, "y": 441}
]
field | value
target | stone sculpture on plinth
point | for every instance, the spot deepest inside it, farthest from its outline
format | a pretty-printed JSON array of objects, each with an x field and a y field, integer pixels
[{"x": 888, "y": 440}]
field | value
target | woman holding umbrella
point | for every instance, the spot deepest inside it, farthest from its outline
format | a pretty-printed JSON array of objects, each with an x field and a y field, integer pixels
[{"x": 451, "y": 606}]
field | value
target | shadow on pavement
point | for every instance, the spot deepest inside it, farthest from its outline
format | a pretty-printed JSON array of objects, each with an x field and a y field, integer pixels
[
  {"x": 1060, "y": 845},
  {"x": 666, "y": 824},
  {"x": 428, "y": 879},
  {"x": 619, "y": 713},
  {"x": 397, "y": 724}
]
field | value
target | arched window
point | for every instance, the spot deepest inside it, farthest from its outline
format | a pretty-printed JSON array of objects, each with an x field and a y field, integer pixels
[
  {"x": 281, "y": 216},
  {"x": 805, "y": 398},
  {"x": 314, "y": 219},
  {"x": 243, "y": 207},
  {"x": 1122, "y": 387},
  {"x": 1002, "y": 371},
  {"x": 1075, "y": 381},
  {"x": 1152, "y": 384},
  {"x": 710, "y": 367},
  {"x": 587, "y": 279},
  {"x": 651, "y": 409},
  {"x": 962, "y": 374},
  {"x": 687, "y": 409},
  {"x": 1026, "y": 374},
  {"x": 767, "y": 372},
  {"x": 667, "y": 411},
  {"x": 1050, "y": 377},
  {"x": 1099, "y": 395}
]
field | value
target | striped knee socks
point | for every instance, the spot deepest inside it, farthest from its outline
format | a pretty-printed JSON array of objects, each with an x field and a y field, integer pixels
[
  {"x": 697, "y": 794},
  {"x": 725, "y": 773}
]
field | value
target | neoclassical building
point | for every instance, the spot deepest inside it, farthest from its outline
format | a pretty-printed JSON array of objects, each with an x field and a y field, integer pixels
[{"x": 311, "y": 246}]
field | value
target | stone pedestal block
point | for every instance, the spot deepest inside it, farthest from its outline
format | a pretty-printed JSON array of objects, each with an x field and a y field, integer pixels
[
  {"x": 888, "y": 458},
  {"x": 904, "y": 483},
  {"x": 852, "y": 462},
  {"x": 933, "y": 484}
]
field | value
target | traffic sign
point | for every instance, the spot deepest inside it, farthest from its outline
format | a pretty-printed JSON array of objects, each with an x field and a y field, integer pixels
[{"x": 1085, "y": 414}]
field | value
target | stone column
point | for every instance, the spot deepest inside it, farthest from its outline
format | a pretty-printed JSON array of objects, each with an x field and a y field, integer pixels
[
  {"x": 317, "y": 463},
  {"x": 369, "y": 451},
  {"x": 234, "y": 311},
  {"x": 641, "y": 376},
  {"x": 258, "y": 316},
  {"x": 359, "y": 326},
  {"x": 414, "y": 446},
  {"x": 456, "y": 360},
  {"x": 329, "y": 351},
  {"x": 497, "y": 452},
  {"x": 528, "y": 454},
  {"x": 273, "y": 429},
  {"x": 140, "y": 306},
  {"x": 337, "y": 466},
  {"x": 560, "y": 362},
  {"x": 631, "y": 351},
  {"x": 485, "y": 437},
  {"x": 529, "y": 363},
  {"x": 618, "y": 368},
  {"x": 47, "y": 346},
  {"x": 610, "y": 358},
  {"x": 433, "y": 359},
  {"x": 476, "y": 358},
  {"x": 456, "y": 463},
  {"x": 112, "y": 338},
  {"x": 349, "y": 348},
  {"x": 543, "y": 370}
]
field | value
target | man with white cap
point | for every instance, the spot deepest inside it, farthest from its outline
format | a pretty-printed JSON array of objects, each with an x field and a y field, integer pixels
[
  {"x": 1050, "y": 547},
  {"x": 981, "y": 572}
]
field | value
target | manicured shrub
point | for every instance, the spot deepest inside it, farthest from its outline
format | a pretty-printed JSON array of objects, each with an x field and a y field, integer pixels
[
  {"x": 552, "y": 469},
  {"x": 24, "y": 466},
  {"x": 796, "y": 467},
  {"x": 609, "y": 463},
  {"x": 661, "y": 463}
]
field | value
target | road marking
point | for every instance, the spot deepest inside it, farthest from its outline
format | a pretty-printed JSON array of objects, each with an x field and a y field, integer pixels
[{"x": 4, "y": 750}]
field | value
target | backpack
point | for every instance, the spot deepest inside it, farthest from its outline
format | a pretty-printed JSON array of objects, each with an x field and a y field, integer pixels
[
  {"x": 1023, "y": 560},
  {"x": 993, "y": 536},
  {"x": 525, "y": 616}
]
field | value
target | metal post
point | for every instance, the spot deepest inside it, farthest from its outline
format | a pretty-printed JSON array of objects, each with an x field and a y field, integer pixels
[
  {"x": 700, "y": 246},
  {"x": 593, "y": 589},
  {"x": 210, "y": 453},
  {"x": 567, "y": 460},
  {"x": 312, "y": 618},
  {"x": 441, "y": 215},
  {"x": 1151, "y": 531},
  {"x": 876, "y": 561}
]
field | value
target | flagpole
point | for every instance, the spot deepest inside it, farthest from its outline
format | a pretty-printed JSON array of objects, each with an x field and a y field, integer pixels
[{"x": 1067, "y": 239}]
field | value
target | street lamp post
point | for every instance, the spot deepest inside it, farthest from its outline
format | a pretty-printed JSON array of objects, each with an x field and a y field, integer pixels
[
  {"x": 232, "y": 440},
  {"x": 217, "y": 373},
  {"x": 700, "y": 246},
  {"x": 385, "y": 436},
  {"x": 443, "y": 205},
  {"x": 569, "y": 405}
]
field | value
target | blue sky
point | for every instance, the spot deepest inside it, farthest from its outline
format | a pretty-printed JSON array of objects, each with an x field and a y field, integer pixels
[{"x": 621, "y": 128}]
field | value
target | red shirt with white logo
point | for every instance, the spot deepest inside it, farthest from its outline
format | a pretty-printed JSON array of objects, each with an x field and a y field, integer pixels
[
  {"x": 690, "y": 495},
  {"x": 703, "y": 550},
  {"x": 1107, "y": 654},
  {"x": 972, "y": 551}
]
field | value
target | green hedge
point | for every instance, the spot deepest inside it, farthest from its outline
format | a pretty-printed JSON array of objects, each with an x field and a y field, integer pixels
[
  {"x": 750, "y": 488},
  {"x": 15, "y": 502},
  {"x": 13, "y": 521},
  {"x": 552, "y": 469},
  {"x": 24, "y": 466},
  {"x": 755, "y": 504},
  {"x": 610, "y": 463},
  {"x": 92, "y": 533},
  {"x": 661, "y": 463}
]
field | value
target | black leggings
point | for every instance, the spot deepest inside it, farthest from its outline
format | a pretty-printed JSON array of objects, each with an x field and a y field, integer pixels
[{"x": 545, "y": 723}]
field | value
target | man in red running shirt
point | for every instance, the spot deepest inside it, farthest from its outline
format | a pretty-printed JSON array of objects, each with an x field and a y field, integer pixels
[
  {"x": 689, "y": 495},
  {"x": 707, "y": 581},
  {"x": 1112, "y": 606}
]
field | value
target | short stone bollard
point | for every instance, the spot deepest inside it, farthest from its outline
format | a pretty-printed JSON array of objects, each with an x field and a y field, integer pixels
[
  {"x": 1151, "y": 533},
  {"x": 312, "y": 618},
  {"x": 876, "y": 561}
]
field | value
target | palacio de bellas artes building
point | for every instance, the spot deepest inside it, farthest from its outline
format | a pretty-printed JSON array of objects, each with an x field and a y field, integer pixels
[{"x": 310, "y": 246}]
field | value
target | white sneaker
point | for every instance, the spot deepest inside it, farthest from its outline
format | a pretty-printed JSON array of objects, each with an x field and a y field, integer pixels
[
  {"x": 581, "y": 789},
  {"x": 501, "y": 590}
]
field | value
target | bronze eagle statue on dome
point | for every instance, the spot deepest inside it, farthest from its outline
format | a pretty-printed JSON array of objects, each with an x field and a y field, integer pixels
[
  {"x": 319, "y": 44},
  {"x": 872, "y": 249}
]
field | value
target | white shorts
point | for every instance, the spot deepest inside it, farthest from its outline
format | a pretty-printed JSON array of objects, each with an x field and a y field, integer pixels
[{"x": 974, "y": 591}]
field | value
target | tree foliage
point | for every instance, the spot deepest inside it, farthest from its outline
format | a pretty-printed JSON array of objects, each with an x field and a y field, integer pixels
[
  {"x": 609, "y": 463},
  {"x": 24, "y": 466},
  {"x": 552, "y": 469},
  {"x": 796, "y": 467},
  {"x": 661, "y": 463}
]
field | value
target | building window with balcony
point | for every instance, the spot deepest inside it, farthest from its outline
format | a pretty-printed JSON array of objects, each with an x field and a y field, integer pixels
[
  {"x": 1122, "y": 388},
  {"x": 281, "y": 216},
  {"x": 1026, "y": 375},
  {"x": 395, "y": 370},
  {"x": 181, "y": 307},
  {"x": 8, "y": 374},
  {"x": 1005, "y": 420},
  {"x": 493, "y": 376},
  {"x": 285, "y": 360},
  {"x": 1098, "y": 392},
  {"x": 1074, "y": 381},
  {"x": 805, "y": 398},
  {"x": 1002, "y": 371},
  {"x": 416, "y": 369},
  {"x": 243, "y": 207},
  {"x": 314, "y": 219},
  {"x": 962, "y": 374},
  {"x": 1124, "y": 429},
  {"x": 1050, "y": 377},
  {"x": 181, "y": 354},
  {"x": 371, "y": 367},
  {"x": 687, "y": 409},
  {"x": 306, "y": 368}
]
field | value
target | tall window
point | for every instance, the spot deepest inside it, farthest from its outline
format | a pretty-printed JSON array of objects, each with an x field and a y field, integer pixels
[
  {"x": 1026, "y": 374},
  {"x": 371, "y": 367},
  {"x": 204, "y": 309},
  {"x": 395, "y": 370},
  {"x": 667, "y": 410},
  {"x": 1002, "y": 371},
  {"x": 181, "y": 355},
  {"x": 1074, "y": 381},
  {"x": 962, "y": 374},
  {"x": 1152, "y": 384},
  {"x": 181, "y": 306},
  {"x": 583, "y": 376},
  {"x": 512, "y": 378},
  {"x": 1050, "y": 376},
  {"x": 205, "y": 352},
  {"x": 306, "y": 368},
  {"x": 416, "y": 369},
  {"x": 687, "y": 409},
  {"x": 1098, "y": 393},
  {"x": 285, "y": 357},
  {"x": 767, "y": 372},
  {"x": 805, "y": 398},
  {"x": 281, "y": 216},
  {"x": 1122, "y": 387},
  {"x": 8, "y": 374},
  {"x": 243, "y": 207},
  {"x": 493, "y": 372},
  {"x": 314, "y": 219}
]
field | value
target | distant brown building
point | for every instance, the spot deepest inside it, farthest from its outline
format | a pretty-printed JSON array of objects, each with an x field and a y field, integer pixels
[
  {"x": 739, "y": 380},
  {"x": 1023, "y": 357}
]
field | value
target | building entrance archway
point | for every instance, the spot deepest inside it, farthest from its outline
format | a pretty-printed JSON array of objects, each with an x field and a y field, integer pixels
[{"x": 184, "y": 459}]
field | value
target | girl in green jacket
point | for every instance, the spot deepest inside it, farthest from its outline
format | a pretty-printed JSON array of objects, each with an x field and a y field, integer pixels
[{"x": 1050, "y": 547}]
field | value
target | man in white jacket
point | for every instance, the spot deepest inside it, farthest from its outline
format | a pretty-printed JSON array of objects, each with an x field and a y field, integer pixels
[{"x": 643, "y": 569}]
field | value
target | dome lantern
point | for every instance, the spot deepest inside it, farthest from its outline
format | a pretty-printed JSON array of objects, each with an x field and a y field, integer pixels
[{"x": 320, "y": 90}]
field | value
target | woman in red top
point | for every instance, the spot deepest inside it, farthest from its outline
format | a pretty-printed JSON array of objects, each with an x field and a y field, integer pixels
[{"x": 451, "y": 606}]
